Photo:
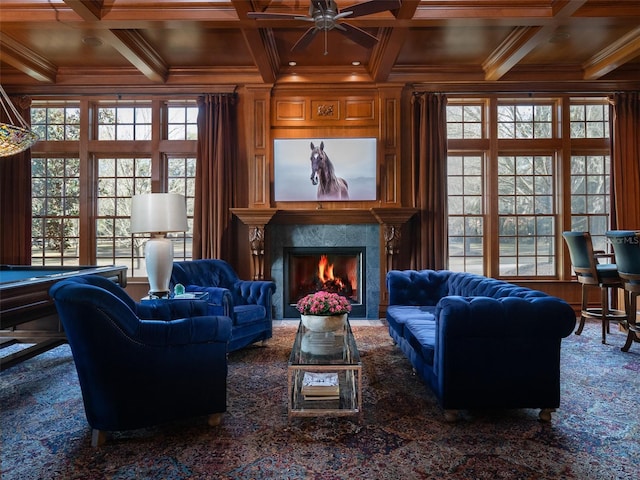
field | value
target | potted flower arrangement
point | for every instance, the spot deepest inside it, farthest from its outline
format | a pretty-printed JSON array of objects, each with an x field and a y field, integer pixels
[{"x": 323, "y": 311}]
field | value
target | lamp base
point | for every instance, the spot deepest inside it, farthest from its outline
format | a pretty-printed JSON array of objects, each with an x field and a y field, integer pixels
[{"x": 159, "y": 259}]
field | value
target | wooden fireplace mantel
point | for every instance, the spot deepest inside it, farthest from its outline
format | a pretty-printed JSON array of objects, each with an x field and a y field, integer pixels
[
  {"x": 390, "y": 219},
  {"x": 315, "y": 216}
]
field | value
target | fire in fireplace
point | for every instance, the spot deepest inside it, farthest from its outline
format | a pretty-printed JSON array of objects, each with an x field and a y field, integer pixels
[{"x": 332, "y": 269}]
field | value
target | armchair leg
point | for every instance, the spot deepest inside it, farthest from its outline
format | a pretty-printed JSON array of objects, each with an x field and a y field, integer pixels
[
  {"x": 545, "y": 414},
  {"x": 98, "y": 437},
  {"x": 214, "y": 419}
]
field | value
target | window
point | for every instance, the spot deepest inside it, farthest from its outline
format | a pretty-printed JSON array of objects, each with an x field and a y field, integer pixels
[
  {"x": 590, "y": 197},
  {"x": 465, "y": 121},
  {"x": 55, "y": 222},
  {"x": 124, "y": 123},
  {"x": 118, "y": 180},
  {"x": 182, "y": 179},
  {"x": 466, "y": 212},
  {"x": 589, "y": 121},
  {"x": 506, "y": 202},
  {"x": 56, "y": 123},
  {"x": 524, "y": 121},
  {"x": 91, "y": 191},
  {"x": 183, "y": 122},
  {"x": 526, "y": 215}
]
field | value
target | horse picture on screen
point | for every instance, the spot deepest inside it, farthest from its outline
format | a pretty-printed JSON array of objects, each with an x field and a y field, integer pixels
[
  {"x": 330, "y": 187},
  {"x": 349, "y": 175}
]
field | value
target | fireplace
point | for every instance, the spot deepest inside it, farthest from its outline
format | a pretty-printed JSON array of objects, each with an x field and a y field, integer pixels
[
  {"x": 333, "y": 269},
  {"x": 327, "y": 239}
]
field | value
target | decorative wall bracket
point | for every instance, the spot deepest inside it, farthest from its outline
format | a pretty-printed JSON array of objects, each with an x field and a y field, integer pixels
[
  {"x": 391, "y": 222},
  {"x": 256, "y": 219}
]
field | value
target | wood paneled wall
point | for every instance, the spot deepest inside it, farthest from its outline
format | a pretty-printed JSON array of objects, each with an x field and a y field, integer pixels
[{"x": 293, "y": 112}]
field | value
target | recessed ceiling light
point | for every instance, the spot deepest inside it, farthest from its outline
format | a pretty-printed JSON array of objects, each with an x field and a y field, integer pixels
[
  {"x": 355, "y": 63},
  {"x": 293, "y": 64},
  {"x": 92, "y": 41}
]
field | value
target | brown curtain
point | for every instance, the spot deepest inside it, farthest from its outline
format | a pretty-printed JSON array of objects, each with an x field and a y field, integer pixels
[
  {"x": 625, "y": 151},
  {"x": 15, "y": 198},
  {"x": 429, "y": 157},
  {"x": 217, "y": 147}
]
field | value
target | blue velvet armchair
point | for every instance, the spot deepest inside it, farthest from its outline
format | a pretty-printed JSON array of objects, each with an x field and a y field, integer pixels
[
  {"x": 247, "y": 302},
  {"x": 136, "y": 372}
]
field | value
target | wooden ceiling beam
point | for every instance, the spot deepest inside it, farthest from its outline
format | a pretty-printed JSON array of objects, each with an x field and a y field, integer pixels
[
  {"x": 132, "y": 46},
  {"x": 518, "y": 43},
  {"x": 261, "y": 44},
  {"x": 390, "y": 43},
  {"x": 89, "y": 11},
  {"x": 613, "y": 56},
  {"x": 25, "y": 60},
  {"x": 522, "y": 40},
  {"x": 129, "y": 43}
]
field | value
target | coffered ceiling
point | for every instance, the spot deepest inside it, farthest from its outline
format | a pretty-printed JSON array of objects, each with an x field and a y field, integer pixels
[{"x": 58, "y": 45}]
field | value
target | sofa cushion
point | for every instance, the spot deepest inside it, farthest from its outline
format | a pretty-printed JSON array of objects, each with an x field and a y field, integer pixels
[
  {"x": 245, "y": 314},
  {"x": 421, "y": 335},
  {"x": 398, "y": 315}
]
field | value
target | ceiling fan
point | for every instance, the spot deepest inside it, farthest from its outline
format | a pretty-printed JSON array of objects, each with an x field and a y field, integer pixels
[{"x": 326, "y": 16}]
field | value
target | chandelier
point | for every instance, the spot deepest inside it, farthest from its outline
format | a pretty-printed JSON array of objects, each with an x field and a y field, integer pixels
[{"x": 15, "y": 135}]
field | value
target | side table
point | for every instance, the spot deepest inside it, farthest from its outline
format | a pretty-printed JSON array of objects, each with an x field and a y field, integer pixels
[{"x": 184, "y": 296}]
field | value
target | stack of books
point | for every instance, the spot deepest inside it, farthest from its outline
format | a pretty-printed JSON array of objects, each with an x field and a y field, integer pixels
[{"x": 320, "y": 386}]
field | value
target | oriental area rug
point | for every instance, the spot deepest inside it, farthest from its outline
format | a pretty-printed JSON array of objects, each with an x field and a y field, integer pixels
[{"x": 402, "y": 434}]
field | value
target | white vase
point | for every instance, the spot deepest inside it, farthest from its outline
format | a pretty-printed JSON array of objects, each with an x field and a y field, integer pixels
[{"x": 323, "y": 323}]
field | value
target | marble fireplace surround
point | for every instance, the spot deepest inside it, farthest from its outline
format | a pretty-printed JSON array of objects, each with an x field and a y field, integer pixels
[
  {"x": 376, "y": 229},
  {"x": 322, "y": 235}
]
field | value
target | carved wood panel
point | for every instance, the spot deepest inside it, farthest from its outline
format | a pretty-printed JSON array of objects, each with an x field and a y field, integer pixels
[{"x": 320, "y": 110}]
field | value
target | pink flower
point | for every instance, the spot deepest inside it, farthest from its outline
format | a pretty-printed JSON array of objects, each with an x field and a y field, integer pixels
[{"x": 323, "y": 303}]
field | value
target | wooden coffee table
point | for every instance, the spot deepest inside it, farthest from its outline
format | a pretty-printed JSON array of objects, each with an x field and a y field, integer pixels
[{"x": 328, "y": 353}]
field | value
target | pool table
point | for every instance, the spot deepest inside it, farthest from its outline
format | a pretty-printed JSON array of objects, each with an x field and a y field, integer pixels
[{"x": 28, "y": 314}]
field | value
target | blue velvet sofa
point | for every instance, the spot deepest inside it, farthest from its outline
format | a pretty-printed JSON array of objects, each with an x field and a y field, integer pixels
[
  {"x": 247, "y": 302},
  {"x": 478, "y": 342},
  {"x": 141, "y": 364}
]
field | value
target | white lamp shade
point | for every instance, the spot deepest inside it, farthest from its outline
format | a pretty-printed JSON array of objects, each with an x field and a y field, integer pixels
[{"x": 158, "y": 212}]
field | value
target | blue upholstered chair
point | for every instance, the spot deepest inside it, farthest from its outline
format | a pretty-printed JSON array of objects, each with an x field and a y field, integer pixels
[
  {"x": 626, "y": 246},
  {"x": 591, "y": 273},
  {"x": 137, "y": 372},
  {"x": 247, "y": 302}
]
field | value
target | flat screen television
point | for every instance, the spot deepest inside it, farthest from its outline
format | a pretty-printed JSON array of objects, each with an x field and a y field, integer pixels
[{"x": 346, "y": 170}]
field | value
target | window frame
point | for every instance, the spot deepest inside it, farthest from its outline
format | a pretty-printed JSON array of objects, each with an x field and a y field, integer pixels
[
  {"x": 560, "y": 145},
  {"x": 89, "y": 150}
]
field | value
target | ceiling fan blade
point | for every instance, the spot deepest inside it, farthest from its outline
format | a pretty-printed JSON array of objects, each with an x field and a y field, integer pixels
[
  {"x": 305, "y": 39},
  {"x": 358, "y": 35},
  {"x": 277, "y": 16},
  {"x": 372, "y": 6}
]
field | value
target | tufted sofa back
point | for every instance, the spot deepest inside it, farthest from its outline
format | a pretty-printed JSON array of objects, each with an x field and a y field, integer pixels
[
  {"x": 427, "y": 287},
  {"x": 472, "y": 285}
]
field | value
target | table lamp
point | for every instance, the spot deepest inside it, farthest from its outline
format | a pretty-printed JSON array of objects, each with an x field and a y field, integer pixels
[{"x": 158, "y": 213}]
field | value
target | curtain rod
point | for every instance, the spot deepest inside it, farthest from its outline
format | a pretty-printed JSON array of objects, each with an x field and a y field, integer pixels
[{"x": 527, "y": 92}]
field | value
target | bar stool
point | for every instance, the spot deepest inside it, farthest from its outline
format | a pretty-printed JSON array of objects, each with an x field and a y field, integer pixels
[
  {"x": 590, "y": 273},
  {"x": 626, "y": 246}
]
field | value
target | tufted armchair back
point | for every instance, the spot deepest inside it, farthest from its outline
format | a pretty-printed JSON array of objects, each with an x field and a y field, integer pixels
[
  {"x": 247, "y": 302},
  {"x": 209, "y": 272}
]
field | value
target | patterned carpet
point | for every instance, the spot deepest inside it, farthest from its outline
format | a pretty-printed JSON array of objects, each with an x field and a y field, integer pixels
[{"x": 594, "y": 435}]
